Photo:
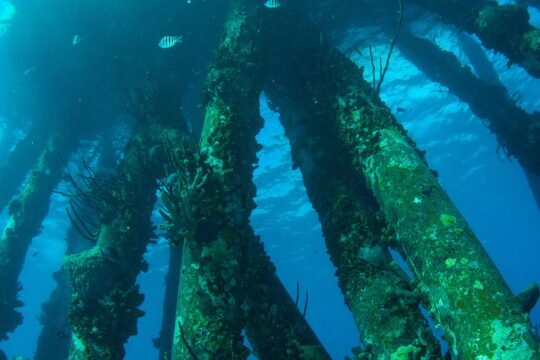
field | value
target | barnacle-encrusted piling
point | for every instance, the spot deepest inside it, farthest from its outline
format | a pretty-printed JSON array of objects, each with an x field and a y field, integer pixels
[
  {"x": 503, "y": 28},
  {"x": 273, "y": 323},
  {"x": 215, "y": 226},
  {"x": 53, "y": 341},
  {"x": 26, "y": 213},
  {"x": 381, "y": 297},
  {"x": 106, "y": 298},
  {"x": 467, "y": 295},
  {"x": 517, "y": 131},
  {"x": 227, "y": 281}
]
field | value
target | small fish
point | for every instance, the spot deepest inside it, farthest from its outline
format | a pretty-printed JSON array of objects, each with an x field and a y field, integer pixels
[
  {"x": 76, "y": 40},
  {"x": 400, "y": 110},
  {"x": 169, "y": 41},
  {"x": 272, "y": 4},
  {"x": 29, "y": 71}
]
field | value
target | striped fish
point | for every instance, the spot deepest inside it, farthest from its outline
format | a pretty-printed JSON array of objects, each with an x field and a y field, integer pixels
[
  {"x": 169, "y": 41},
  {"x": 272, "y": 4}
]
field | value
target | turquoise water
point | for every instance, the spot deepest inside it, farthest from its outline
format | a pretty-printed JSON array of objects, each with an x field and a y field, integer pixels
[{"x": 38, "y": 59}]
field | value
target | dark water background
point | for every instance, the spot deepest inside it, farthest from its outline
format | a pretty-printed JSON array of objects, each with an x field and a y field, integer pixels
[{"x": 41, "y": 81}]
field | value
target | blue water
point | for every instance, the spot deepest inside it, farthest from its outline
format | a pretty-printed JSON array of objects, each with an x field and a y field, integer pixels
[{"x": 490, "y": 190}]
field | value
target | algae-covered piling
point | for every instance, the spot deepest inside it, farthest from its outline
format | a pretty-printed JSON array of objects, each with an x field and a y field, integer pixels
[
  {"x": 503, "y": 28},
  {"x": 209, "y": 314},
  {"x": 466, "y": 293},
  {"x": 26, "y": 213},
  {"x": 106, "y": 298},
  {"x": 381, "y": 297}
]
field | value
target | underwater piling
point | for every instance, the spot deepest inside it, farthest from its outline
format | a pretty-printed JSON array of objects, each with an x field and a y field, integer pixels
[
  {"x": 20, "y": 161},
  {"x": 382, "y": 298},
  {"x": 227, "y": 282},
  {"x": 275, "y": 327},
  {"x": 517, "y": 131},
  {"x": 106, "y": 298},
  {"x": 533, "y": 3},
  {"x": 54, "y": 339},
  {"x": 476, "y": 54},
  {"x": 534, "y": 184},
  {"x": 209, "y": 317},
  {"x": 503, "y": 28},
  {"x": 467, "y": 295},
  {"x": 26, "y": 213},
  {"x": 165, "y": 339}
]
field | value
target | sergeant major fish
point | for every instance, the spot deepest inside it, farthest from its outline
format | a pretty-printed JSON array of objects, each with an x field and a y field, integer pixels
[
  {"x": 169, "y": 41},
  {"x": 272, "y": 4}
]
